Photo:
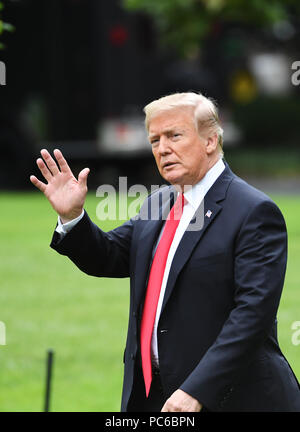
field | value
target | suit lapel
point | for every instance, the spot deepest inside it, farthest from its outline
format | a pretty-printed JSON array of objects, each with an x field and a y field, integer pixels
[
  {"x": 207, "y": 212},
  {"x": 188, "y": 242}
]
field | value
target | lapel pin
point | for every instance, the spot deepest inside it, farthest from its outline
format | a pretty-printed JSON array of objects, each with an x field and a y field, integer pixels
[{"x": 208, "y": 213}]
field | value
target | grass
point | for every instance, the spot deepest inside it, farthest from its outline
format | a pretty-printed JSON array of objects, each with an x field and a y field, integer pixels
[{"x": 46, "y": 302}]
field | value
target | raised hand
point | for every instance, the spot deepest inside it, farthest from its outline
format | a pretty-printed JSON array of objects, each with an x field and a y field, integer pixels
[{"x": 64, "y": 192}]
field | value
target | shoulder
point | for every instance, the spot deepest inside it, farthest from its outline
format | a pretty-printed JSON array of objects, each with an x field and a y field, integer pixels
[
  {"x": 247, "y": 196},
  {"x": 256, "y": 208}
]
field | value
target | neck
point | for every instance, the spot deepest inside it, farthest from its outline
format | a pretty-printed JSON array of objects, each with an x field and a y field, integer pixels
[
  {"x": 213, "y": 160},
  {"x": 210, "y": 163}
]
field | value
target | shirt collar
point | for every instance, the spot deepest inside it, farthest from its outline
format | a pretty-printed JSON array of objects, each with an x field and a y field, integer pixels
[{"x": 195, "y": 195}]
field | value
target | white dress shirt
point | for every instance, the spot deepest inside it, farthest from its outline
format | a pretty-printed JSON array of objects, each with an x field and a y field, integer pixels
[
  {"x": 194, "y": 197},
  {"x": 63, "y": 229}
]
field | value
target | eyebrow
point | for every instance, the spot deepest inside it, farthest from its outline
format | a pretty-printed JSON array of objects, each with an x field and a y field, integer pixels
[{"x": 166, "y": 131}]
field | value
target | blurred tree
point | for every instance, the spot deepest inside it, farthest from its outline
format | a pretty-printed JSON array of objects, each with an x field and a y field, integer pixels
[
  {"x": 185, "y": 24},
  {"x": 4, "y": 26}
]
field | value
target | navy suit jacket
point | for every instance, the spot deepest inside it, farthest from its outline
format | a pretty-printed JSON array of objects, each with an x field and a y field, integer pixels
[{"x": 217, "y": 337}]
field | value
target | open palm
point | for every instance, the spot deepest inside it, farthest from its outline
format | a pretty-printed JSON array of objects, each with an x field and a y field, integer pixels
[{"x": 65, "y": 193}]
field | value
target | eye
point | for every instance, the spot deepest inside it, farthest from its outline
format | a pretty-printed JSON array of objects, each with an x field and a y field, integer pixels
[
  {"x": 176, "y": 135},
  {"x": 154, "y": 141}
]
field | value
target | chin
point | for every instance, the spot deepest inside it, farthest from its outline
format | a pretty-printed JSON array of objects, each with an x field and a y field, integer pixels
[
  {"x": 175, "y": 181},
  {"x": 173, "y": 178}
]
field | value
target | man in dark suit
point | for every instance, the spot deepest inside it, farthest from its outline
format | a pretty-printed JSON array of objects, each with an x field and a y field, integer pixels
[{"x": 210, "y": 282}]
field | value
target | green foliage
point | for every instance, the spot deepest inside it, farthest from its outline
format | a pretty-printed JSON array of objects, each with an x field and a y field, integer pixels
[
  {"x": 184, "y": 24},
  {"x": 4, "y": 26}
]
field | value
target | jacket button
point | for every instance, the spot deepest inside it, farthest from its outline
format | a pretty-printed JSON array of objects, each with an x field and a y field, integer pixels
[{"x": 132, "y": 356}]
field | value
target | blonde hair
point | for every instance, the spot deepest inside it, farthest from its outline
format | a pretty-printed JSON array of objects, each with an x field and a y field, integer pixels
[{"x": 205, "y": 112}]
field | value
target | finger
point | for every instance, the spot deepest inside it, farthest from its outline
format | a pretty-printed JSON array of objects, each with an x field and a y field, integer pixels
[
  {"x": 44, "y": 169},
  {"x": 40, "y": 185},
  {"x": 50, "y": 162},
  {"x": 82, "y": 177},
  {"x": 63, "y": 165}
]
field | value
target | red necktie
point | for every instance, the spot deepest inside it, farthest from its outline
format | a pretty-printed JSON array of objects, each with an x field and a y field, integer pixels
[{"x": 154, "y": 286}]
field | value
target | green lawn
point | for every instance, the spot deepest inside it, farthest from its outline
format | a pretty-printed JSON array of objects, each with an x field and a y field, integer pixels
[{"x": 45, "y": 302}]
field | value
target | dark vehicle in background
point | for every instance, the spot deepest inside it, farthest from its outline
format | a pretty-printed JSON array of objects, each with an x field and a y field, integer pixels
[{"x": 79, "y": 73}]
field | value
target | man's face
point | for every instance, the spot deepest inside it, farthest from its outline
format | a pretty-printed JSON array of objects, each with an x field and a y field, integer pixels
[{"x": 181, "y": 155}]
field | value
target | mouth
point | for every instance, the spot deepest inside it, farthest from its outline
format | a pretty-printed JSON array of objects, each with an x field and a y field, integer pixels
[{"x": 168, "y": 165}]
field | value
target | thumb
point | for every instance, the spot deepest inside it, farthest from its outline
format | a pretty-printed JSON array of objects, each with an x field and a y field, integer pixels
[{"x": 82, "y": 177}]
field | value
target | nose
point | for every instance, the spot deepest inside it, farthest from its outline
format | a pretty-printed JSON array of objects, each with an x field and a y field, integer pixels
[{"x": 164, "y": 146}]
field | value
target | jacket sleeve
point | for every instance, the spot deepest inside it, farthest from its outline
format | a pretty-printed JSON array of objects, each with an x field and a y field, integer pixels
[
  {"x": 94, "y": 251},
  {"x": 259, "y": 270}
]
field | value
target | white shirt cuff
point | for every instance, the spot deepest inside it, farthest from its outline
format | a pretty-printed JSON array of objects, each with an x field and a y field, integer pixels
[{"x": 63, "y": 229}]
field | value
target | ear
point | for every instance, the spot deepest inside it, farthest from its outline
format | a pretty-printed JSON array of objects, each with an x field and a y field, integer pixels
[{"x": 212, "y": 144}]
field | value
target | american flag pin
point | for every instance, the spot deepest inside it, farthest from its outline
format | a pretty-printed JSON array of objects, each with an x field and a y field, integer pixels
[{"x": 208, "y": 213}]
